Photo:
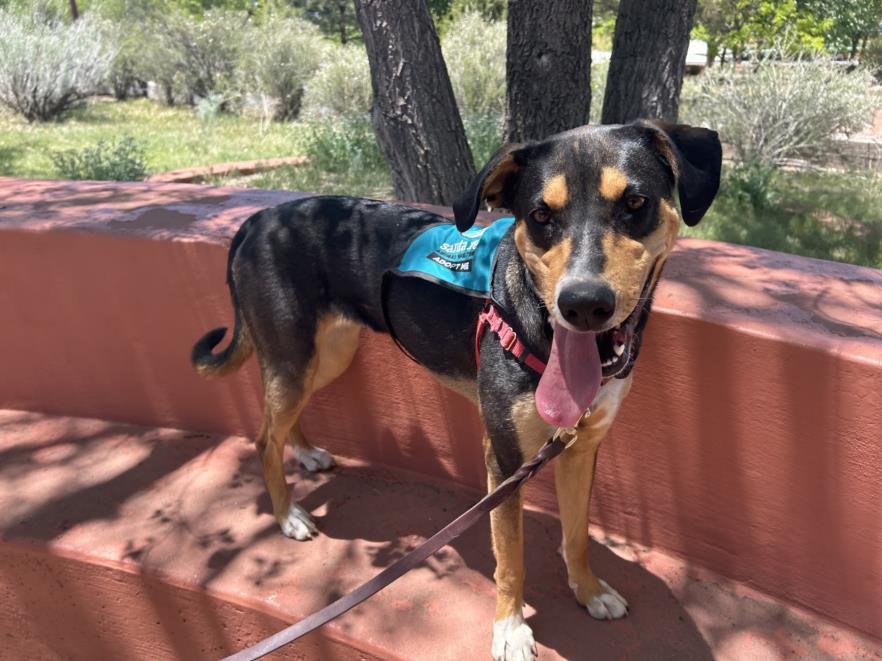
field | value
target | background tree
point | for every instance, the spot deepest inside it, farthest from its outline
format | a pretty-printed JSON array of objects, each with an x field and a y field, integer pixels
[
  {"x": 548, "y": 67},
  {"x": 647, "y": 61},
  {"x": 851, "y": 23},
  {"x": 336, "y": 18},
  {"x": 414, "y": 112}
]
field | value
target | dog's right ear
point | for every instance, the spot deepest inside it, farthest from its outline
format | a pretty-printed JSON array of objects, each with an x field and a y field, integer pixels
[{"x": 490, "y": 185}]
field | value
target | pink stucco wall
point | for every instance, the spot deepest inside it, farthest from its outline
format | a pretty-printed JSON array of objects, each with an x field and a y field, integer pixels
[{"x": 751, "y": 443}]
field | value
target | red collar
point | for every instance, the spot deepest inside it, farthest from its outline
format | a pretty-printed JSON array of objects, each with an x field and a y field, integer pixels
[{"x": 508, "y": 338}]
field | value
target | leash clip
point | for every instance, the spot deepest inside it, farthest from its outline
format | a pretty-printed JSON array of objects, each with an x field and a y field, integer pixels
[{"x": 569, "y": 431}]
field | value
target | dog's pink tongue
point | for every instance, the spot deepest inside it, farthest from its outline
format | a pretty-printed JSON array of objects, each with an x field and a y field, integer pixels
[{"x": 571, "y": 378}]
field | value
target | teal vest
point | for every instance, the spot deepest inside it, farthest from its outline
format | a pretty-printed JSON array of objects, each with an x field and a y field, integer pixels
[{"x": 460, "y": 261}]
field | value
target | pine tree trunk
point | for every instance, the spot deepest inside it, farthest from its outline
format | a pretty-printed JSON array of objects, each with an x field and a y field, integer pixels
[
  {"x": 414, "y": 111},
  {"x": 648, "y": 58},
  {"x": 548, "y": 67}
]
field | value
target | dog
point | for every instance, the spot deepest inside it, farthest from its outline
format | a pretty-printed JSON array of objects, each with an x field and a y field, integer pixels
[{"x": 595, "y": 218}]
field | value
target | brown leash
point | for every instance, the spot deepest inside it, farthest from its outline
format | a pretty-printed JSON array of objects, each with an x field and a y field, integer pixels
[{"x": 553, "y": 447}]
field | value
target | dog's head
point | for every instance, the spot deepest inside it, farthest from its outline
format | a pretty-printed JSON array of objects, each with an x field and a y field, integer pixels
[{"x": 596, "y": 217}]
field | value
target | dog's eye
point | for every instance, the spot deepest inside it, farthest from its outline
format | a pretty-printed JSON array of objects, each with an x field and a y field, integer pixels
[
  {"x": 634, "y": 202},
  {"x": 540, "y": 215}
]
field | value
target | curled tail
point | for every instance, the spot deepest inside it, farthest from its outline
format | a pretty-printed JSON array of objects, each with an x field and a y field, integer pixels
[
  {"x": 230, "y": 359},
  {"x": 240, "y": 348}
]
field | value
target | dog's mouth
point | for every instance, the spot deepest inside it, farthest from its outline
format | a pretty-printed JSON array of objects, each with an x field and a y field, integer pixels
[{"x": 617, "y": 344}]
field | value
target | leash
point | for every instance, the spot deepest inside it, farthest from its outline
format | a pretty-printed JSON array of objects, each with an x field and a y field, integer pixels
[{"x": 561, "y": 440}]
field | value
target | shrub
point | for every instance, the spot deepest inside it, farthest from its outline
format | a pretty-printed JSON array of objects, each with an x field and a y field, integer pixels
[
  {"x": 48, "y": 68},
  {"x": 474, "y": 50},
  {"x": 341, "y": 86},
  {"x": 599, "y": 71},
  {"x": 283, "y": 55},
  {"x": 342, "y": 145},
  {"x": 772, "y": 111},
  {"x": 106, "y": 161},
  {"x": 484, "y": 133}
]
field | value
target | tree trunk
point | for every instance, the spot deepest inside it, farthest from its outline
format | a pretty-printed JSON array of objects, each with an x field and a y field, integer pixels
[
  {"x": 648, "y": 58},
  {"x": 342, "y": 7},
  {"x": 74, "y": 10},
  {"x": 414, "y": 111},
  {"x": 547, "y": 67}
]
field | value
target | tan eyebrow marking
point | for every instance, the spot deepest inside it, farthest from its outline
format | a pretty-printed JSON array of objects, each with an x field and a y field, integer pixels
[
  {"x": 613, "y": 183},
  {"x": 555, "y": 193}
]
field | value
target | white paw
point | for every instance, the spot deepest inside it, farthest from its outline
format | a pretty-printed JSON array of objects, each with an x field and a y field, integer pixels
[
  {"x": 298, "y": 524},
  {"x": 313, "y": 459},
  {"x": 512, "y": 640},
  {"x": 608, "y": 605}
]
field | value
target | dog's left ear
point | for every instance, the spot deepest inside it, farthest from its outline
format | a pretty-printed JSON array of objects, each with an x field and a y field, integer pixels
[
  {"x": 695, "y": 155},
  {"x": 491, "y": 185}
]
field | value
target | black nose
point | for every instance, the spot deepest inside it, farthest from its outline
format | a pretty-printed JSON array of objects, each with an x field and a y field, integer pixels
[{"x": 587, "y": 304}]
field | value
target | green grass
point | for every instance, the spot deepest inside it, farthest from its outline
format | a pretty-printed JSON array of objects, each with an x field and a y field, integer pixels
[
  {"x": 373, "y": 183},
  {"x": 835, "y": 216},
  {"x": 172, "y": 138}
]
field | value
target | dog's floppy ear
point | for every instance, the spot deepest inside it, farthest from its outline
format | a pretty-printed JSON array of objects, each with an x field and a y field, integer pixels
[
  {"x": 491, "y": 185},
  {"x": 696, "y": 157}
]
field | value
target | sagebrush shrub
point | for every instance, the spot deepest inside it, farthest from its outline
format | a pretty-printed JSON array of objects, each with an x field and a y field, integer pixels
[
  {"x": 123, "y": 160},
  {"x": 770, "y": 110},
  {"x": 282, "y": 55},
  {"x": 342, "y": 144},
  {"x": 341, "y": 86},
  {"x": 47, "y": 68},
  {"x": 474, "y": 50}
]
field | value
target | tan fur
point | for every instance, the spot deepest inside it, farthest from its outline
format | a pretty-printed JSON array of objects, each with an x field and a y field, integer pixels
[
  {"x": 628, "y": 260},
  {"x": 336, "y": 342},
  {"x": 532, "y": 430},
  {"x": 556, "y": 194},
  {"x": 241, "y": 353},
  {"x": 548, "y": 267},
  {"x": 495, "y": 181},
  {"x": 613, "y": 183},
  {"x": 507, "y": 534},
  {"x": 468, "y": 388},
  {"x": 574, "y": 477}
]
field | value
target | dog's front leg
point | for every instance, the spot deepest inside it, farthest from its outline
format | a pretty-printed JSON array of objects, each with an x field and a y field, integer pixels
[
  {"x": 512, "y": 637},
  {"x": 574, "y": 477}
]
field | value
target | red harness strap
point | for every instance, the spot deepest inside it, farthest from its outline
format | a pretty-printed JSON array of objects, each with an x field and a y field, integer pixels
[{"x": 507, "y": 338}]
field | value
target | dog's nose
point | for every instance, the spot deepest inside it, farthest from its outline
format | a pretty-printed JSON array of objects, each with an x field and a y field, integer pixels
[{"x": 587, "y": 304}]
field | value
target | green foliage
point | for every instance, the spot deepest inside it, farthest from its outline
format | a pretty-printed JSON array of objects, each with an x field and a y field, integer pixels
[
  {"x": 48, "y": 68},
  {"x": 484, "y": 133},
  {"x": 123, "y": 160},
  {"x": 822, "y": 215},
  {"x": 850, "y": 22},
  {"x": 474, "y": 50},
  {"x": 342, "y": 145},
  {"x": 872, "y": 58},
  {"x": 335, "y": 18},
  {"x": 780, "y": 110},
  {"x": 341, "y": 86},
  {"x": 281, "y": 57},
  {"x": 599, "y": 71},
  {"x": 753, "y": 25}
]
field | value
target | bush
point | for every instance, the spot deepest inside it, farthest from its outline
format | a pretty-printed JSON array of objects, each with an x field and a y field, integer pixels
[
  {"x": 342, "y": 145},
  {"x": 281, "y": 57},
  {"x": 106, "y": 161},
  {"x": 484, "y": 133},
  {"x": 342, "y": 85},
  {"x": 599, "y": 71},
  {"x": 48, "y": 68},
  {"x": 772, "y": 111},
  {"x": 474, "y": 50}
]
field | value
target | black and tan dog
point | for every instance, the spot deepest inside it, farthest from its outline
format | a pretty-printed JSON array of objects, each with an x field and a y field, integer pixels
[{"x": 595, "y": 221}]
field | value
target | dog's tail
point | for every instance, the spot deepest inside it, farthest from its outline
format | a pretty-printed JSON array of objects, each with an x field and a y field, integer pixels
[{"x": 240, "y": 348}]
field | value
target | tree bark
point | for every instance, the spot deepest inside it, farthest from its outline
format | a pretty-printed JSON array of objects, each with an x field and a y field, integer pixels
[
  {"x": 648, "y": 58},
  {"x": 414, "y": 111},
  {"x": 74, "y": 10},
  {"x": 547, "y": 67}
]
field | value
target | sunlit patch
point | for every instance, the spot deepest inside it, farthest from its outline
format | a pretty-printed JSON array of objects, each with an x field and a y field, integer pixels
[{"x": 546, "y": 267}]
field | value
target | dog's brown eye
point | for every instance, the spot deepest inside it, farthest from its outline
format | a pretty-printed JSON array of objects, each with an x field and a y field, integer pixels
[
  {"x": 634, "y": 202},
  {"x": 541, "y": 216}
]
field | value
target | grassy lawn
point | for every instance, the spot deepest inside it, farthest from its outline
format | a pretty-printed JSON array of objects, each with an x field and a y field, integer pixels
[
  {"x": 173, "y": 138},
  {"x": 834, "y": 216}
]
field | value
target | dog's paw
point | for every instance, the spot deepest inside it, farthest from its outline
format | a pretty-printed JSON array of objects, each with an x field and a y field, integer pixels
[
  {"x": 607, "y": 604},
  {"x": 513, "y": 640},
  {"x": 298, "y": 524},
  {"x": 313, "y": 459}
]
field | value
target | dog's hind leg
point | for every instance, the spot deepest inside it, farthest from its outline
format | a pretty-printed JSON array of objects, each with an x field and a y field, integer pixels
[
  {"x": 336, "y": 343},
  {"x": 284, "y": 400}
]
